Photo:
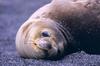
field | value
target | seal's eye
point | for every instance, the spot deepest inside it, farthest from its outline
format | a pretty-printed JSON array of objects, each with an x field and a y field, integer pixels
[{"x": 45, "y": 34}]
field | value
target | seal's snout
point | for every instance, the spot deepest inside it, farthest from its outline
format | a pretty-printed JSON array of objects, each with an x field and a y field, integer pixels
[{"x": 44, "y": 44}]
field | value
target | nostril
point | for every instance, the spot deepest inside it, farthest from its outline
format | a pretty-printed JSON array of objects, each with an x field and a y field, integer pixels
[
  {"x": 44, "y": 44},
  {"x": 49, "y": 46}
]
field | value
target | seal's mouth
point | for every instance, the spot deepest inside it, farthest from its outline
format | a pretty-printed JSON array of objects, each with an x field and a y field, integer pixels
[
  {"x": 45, "y": 53},
  {"x": 44, "y": 45},
  {"x": 45, "y": 50}
]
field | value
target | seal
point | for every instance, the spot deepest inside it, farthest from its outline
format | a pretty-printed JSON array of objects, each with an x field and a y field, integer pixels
[{"x": 53, "y": 27}]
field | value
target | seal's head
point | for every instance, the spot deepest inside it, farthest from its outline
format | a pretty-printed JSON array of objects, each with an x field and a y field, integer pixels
[{"x": 40, "y": 38}]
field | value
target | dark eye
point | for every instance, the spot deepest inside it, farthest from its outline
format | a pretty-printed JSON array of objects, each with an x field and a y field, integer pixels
[{"x": 45, "y": 34}]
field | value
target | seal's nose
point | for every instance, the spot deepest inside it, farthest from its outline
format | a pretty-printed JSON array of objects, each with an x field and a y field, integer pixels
[{"x": 45, "y": 44}]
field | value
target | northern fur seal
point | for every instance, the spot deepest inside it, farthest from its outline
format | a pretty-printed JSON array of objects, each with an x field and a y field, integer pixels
[{"x": 56, "y": 25}]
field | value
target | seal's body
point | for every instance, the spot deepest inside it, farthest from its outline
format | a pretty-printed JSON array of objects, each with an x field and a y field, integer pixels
[
  {"x": 68, "y": 21},
  {"x": 80, "y": 17}
]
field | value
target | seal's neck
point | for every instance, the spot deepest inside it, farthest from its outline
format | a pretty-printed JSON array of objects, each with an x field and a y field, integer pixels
[{"x": 65, "y": 33}]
